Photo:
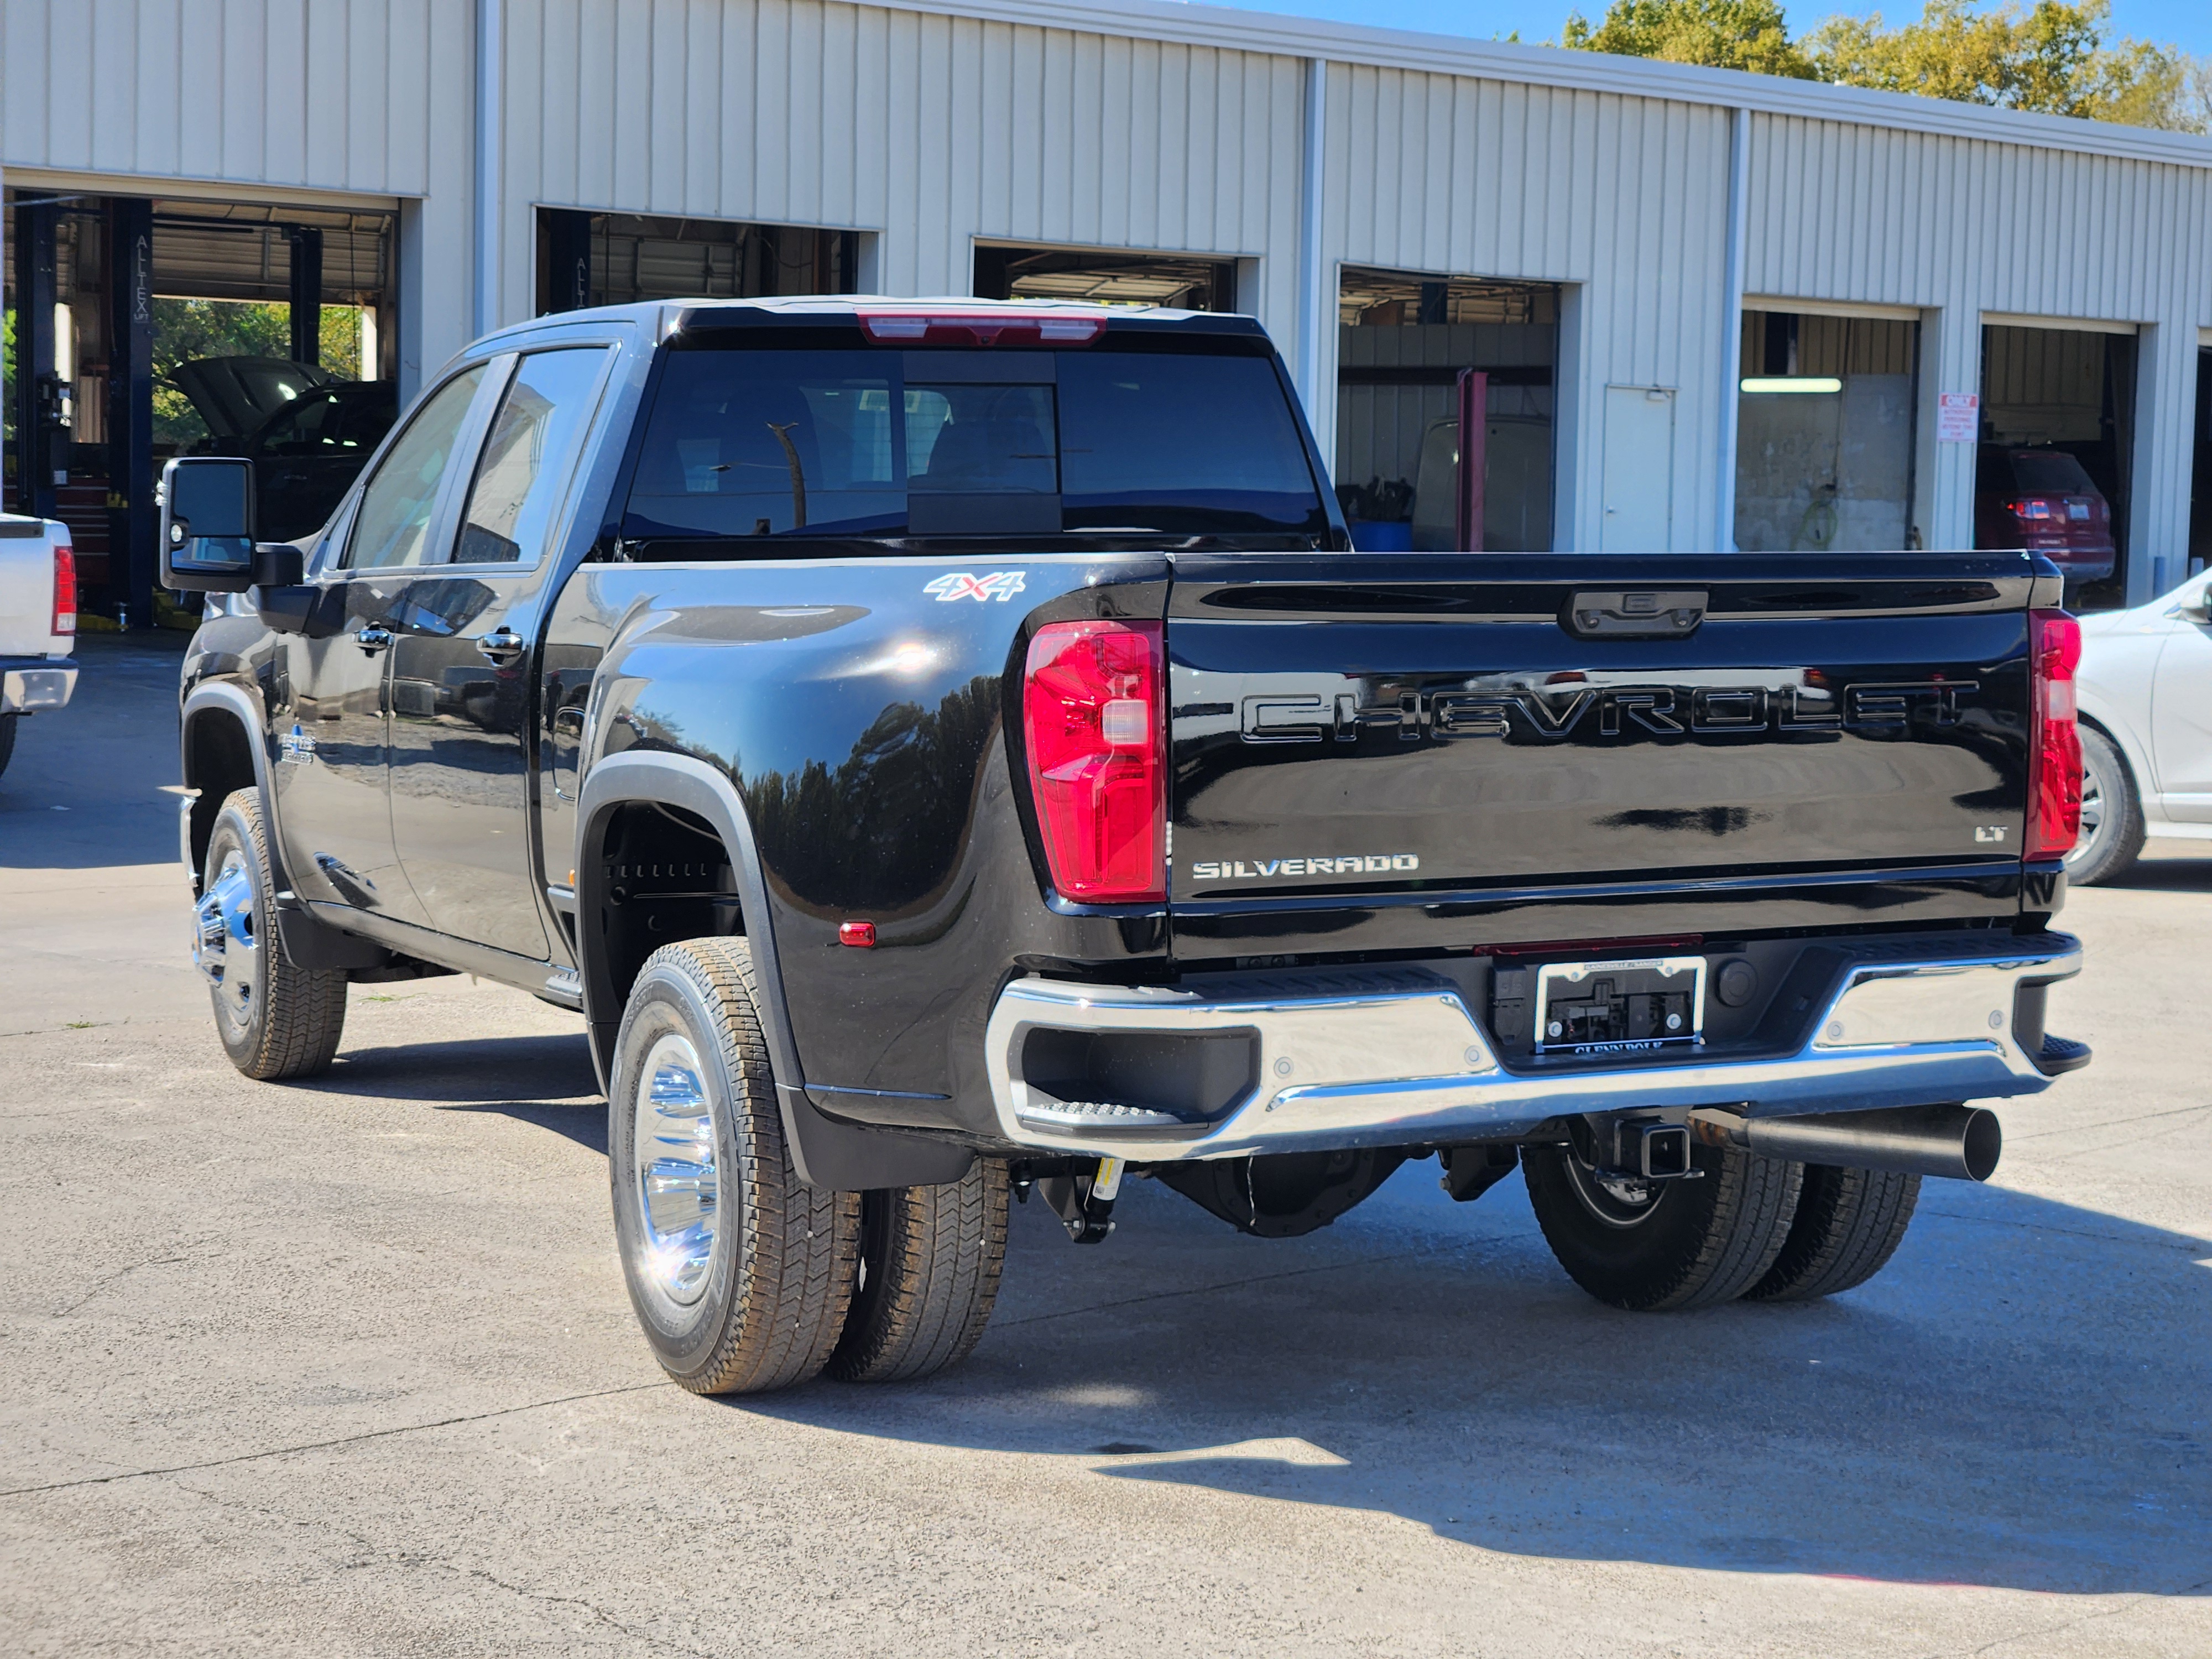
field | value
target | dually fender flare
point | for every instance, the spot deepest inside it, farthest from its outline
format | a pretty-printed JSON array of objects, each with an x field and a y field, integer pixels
[{"x": 826, "y": 1152}]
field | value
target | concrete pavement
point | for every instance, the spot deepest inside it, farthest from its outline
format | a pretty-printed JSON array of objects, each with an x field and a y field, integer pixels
[{"x": 346, "y": 1367}]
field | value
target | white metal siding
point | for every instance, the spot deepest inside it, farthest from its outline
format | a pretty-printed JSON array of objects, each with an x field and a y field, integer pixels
[
  {"x": 932, "y": 130},
  {"x": 325, "y": 95}
]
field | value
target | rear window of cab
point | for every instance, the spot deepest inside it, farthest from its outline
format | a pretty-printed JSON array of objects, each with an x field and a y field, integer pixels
[{"x": 863, "y": 440}]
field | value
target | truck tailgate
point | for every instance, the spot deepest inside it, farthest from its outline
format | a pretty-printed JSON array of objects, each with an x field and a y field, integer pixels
[
  {"x": 1458, "y": 723},
  {"x": 26, "y": 588}
]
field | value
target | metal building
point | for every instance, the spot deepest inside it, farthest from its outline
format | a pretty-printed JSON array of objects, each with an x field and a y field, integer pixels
[{"x": 1710, "y": 309}]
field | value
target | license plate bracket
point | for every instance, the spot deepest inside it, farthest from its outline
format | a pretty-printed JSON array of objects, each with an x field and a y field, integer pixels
[{"x": 1640, "y": 1005}]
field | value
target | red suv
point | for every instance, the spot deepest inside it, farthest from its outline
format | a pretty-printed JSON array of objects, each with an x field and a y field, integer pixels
[{"x": 2042, "y": 499}]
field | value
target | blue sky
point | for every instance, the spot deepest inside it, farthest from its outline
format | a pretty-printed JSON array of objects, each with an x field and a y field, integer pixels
[{"x": 2186, "y": 23}]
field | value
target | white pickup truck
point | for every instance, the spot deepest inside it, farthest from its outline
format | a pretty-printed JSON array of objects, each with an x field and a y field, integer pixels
[{"x": 38, "y": 620}]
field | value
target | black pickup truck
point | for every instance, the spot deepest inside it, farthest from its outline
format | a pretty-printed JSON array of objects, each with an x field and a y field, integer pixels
[{"x": 947, "y": 750}]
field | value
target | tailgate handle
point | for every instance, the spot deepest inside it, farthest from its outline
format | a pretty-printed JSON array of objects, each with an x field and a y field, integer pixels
[{"x": 1639, "y": 613}]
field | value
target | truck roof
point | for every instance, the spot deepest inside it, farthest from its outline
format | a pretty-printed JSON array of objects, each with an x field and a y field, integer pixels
[{"x": 709, "y": 310}]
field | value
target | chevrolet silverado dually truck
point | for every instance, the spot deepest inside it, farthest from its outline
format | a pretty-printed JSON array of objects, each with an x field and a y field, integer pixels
[
  {"x": 38, "y": 620},
  {"x": 946, "y": 749}
]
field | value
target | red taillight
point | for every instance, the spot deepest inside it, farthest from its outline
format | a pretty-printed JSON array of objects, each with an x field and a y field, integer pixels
[
  {"x": 2054, "y": 767},
  {"x": 64, "y": 589},
  {"x": 2037, "y": 506},
  {"x": 912, "y": 326},
  {"x": 1091, "y": 719}
]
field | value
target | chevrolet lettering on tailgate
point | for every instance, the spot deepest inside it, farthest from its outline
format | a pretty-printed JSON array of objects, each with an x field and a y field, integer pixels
[{"x": 1665, "y": 711}]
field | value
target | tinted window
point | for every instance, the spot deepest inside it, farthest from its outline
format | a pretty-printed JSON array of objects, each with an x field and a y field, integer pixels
[
  {"x": 980, "y": 438},
  {"x": 394, "y": 519},
  {"x": 2049, "y": 472},
  {"x": 1180, "y": 444},
  {"x": 529, "y": 457},
  {"x": 746, "y": 442}
]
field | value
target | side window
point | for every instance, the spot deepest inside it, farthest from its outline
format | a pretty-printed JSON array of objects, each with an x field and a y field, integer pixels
[
  {"x": 530, "y": 457},
  {"x": 393, "y": 523}
]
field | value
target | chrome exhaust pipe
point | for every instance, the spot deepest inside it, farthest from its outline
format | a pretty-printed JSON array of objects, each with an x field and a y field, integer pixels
[{"x": 1959, "y": 1143}]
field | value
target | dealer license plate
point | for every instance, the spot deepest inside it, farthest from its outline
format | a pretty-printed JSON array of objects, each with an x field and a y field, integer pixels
[{"x": 1629, "y": 1007}]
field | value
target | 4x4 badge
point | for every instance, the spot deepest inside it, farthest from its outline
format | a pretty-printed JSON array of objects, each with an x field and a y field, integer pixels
[
  {"x": 295, "y": 747},
  {"x": 999, "y": 584}
]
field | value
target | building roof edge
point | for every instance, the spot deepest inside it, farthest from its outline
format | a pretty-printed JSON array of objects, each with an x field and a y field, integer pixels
[{"x": 1586, "y": 71}]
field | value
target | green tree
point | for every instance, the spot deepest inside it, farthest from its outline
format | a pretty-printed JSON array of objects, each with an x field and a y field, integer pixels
[
  {"x": 2033, "y": 62},
  {"x": 1737, "y": 34},
  {"x": 2051, "y": 57},
  {"x": 2148, "y": 86}
]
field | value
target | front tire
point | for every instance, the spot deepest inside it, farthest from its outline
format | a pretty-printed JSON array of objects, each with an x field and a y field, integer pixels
[
  {"x": 740, "y": 1273},
  {"x": 1664, "y": 1245},
  {"x": 276, "y": 1021},
  {"x": 930, "y": 1260},
  {"x": 1848, "y": 1223},
  {"x": 8, "y": 725},
  {"x": 2112, "y": 816}
]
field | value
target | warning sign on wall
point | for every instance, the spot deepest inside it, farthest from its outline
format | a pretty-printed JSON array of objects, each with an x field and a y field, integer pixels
[{"x": 1957, "y": 416}]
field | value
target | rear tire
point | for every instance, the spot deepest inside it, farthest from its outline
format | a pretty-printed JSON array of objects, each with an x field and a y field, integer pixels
[
  {"x": 275, "y": 1021},
  {"x": 8, "y": 723},
  {"x": 740, "y": 1272},
  {"x": 1667, "y": 1245},
  {"x": 2112, "y": 816},
  {"x": 930, "y": 1260},
  {"x": 1848, "y": 1223}
]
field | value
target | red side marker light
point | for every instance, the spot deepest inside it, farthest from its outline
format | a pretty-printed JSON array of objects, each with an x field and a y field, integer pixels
[{"x": 861, "y": 935}]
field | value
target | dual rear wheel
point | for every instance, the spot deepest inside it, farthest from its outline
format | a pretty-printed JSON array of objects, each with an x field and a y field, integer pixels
[
  {"x": 1760, "y": 1229},
  {"x": 744, "y": 1278}
]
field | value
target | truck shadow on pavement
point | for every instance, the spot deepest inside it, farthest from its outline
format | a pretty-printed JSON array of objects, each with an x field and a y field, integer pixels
[
  {"x": 2019, "y": 1400},
  {"x": 542, "y": 1080}
]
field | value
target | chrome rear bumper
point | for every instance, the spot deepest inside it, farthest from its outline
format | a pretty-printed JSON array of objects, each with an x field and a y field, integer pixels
[
  {"x": 30, "y": 683},
  {"x": 1393, "y": 1057}
]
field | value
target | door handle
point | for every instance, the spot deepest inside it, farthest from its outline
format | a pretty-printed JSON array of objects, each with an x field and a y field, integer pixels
[
  {"x": 502, "y": 644},
  {"x": 373, "y": 638}
]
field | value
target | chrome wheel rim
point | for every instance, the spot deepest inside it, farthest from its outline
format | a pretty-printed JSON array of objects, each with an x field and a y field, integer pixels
[
  {"x": 225, "y": 942},
  {"x": 677, "y": 1175},
  {"x": 1615, "y": 1202}
]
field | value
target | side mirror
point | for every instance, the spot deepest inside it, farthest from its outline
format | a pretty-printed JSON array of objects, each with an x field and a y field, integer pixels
[
  {"x": 2197, "y": 611},
  {"x": 207, "y": 524}
]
